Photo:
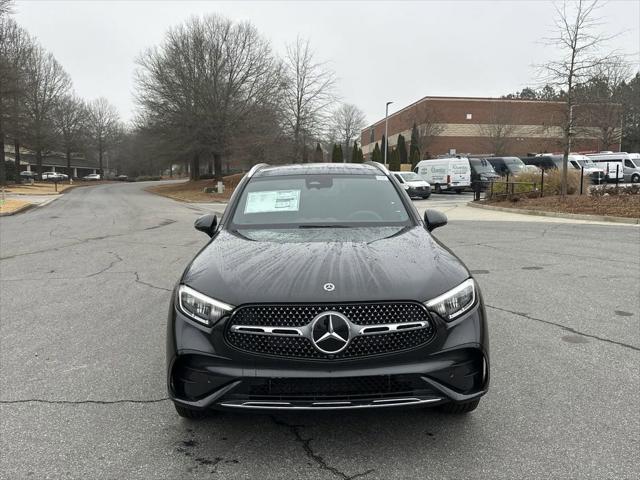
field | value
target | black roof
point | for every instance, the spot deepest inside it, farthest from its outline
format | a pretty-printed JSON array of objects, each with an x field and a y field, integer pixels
[{"x": 318, "y": 169}]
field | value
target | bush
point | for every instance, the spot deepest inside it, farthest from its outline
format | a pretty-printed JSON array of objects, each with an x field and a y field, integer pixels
[
  {"x": 613, "y": 190},
  {"x": 552, "y": 183},
  {"x": 206, "y": 176},
  {"x": 145, "y": 178}
]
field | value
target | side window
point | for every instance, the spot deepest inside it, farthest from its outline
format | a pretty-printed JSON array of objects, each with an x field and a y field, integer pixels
[
  {"x": 575, "y": 164},
  {"x": 627, "y": 163}
]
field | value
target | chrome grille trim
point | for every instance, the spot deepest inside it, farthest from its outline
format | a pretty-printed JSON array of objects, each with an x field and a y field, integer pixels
[
  {"x": 341, "y": 405},
  {"x": 305, "y": 331}
]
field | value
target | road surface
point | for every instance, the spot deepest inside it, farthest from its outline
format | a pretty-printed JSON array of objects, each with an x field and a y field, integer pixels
[{"x": 85, "y": 285}]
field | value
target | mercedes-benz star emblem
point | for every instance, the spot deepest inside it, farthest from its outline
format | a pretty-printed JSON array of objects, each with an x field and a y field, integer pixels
[
  {"x": 330, "y": 332},
  {"x": 329, "y": 287}
]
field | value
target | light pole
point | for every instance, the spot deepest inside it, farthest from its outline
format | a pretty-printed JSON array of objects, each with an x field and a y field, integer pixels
[{"x": 386, "y": 133}]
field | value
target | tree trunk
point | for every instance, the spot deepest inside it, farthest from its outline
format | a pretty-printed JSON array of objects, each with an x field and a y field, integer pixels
[
  {"x": 3, "y": 170},
  {"x": 69, "y": 172},
  {"x": 16, "y": 150},
  {"x": 217, "y": 164},
  {"x": 195, "y": 167},
  {"x": 100, "y": 162},
  {"x": 39, "y": 162},
  {"x": 210, "y": 166}
]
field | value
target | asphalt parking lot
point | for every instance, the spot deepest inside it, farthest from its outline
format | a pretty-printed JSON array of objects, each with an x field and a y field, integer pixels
[{"x": 85, "y": 285}]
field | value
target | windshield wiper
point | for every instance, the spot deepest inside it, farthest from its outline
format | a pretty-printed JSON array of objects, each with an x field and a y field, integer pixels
[{"x": 324, "y": 226}]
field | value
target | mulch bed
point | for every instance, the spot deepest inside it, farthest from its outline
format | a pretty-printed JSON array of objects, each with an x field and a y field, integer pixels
[
  {"x": 193, "y": 191},
  {"x": 612, "y": 205}
]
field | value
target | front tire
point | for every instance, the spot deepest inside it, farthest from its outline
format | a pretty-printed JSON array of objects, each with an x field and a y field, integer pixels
[
  {"x": 190, "y": 413},
  {"x": 635, "y": 178},
  {"x": 460, "y": 408},
  {"x": 437, "y": 188},
  {"x": 426, "y": 196}
]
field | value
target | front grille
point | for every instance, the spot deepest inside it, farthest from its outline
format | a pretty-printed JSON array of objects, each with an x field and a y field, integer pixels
[
  {"x": 330, "y": 389},
  {"x": 298, "y": 315},
  {"x": 365, "y": 314}
]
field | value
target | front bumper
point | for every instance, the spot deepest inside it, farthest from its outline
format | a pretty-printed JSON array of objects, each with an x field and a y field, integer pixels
[
  {"x": 204, "y": 371},
  {"x": 419, "y": 191}
]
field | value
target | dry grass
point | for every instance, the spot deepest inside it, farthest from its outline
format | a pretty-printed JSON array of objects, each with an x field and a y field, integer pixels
[
  {"x": 194, "y": 191},
  {"x": 10, "y": 205},
  {"x": 614, "y": 205},
  {"x": 38, "y": 188}
]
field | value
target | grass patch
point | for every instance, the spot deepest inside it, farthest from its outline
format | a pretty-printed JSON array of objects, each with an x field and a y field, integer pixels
[
  {"x": 193, "y": 191},
  {"x": 10, "y": 205},
  {"x": 610, "y": 205}
]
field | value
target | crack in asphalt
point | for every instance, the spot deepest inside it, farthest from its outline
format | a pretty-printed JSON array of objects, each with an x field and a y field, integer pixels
[
  {"x": 565, "y": 328},
  {"x": 117, "y": 260},
  {"x": 318, "y": 459},
  {"x": 149, "y": 284},
  {"x": 82, "y": 402}
]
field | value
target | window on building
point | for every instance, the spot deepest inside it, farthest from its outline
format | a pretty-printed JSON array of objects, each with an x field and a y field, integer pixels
[
  {"x": 469, "y": 116},
  {"x": 372, "y": 136}
]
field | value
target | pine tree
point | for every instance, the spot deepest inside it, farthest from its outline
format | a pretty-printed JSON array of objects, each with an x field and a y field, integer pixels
[
  {"x": 414, "y": 148},
  {"x": 336, "y": 154},
  {"x": 402, "y": 149},
  {"x": 354, "y": 153},
  {"x": 376, "y": 156},
  {"x": 394, "y": 160},
  {"x": 340, "y": 153},
  {"x": 360, "y": 156},
  {"x": 318, "y": 154},
  {"x": 384, "y": 145}
]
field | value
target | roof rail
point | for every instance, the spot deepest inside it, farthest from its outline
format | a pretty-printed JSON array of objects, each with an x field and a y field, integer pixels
[
  {"x": 378, "y": 165},
  {"x": 255, "y": 168}
]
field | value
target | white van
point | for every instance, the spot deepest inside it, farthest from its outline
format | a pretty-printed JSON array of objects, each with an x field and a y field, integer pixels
[
  {"x": 612, "y": 164},
  {"x": 446, "y": 173}
]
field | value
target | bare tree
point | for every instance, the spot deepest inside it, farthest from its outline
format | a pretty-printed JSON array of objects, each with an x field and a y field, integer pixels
[
  {"x": 204, "y": 82},
  {"x": 70, "y": 118},
  {"x": 46, "y": 82},
  {"x": 103, "y": 124},
  {"x": 309, "y": 95},
  {"x": 579, "y": 43},
  {"x": 500, "y": 129},
  {"x": 429, "y": 126},
  {"x": 347, "y": 122},
  {"x": 6, "y": 7},
  {"x": 15, "y": 47}
]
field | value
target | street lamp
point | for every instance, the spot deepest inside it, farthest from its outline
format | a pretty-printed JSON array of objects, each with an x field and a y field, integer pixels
[{"x": 386, "y": 133}]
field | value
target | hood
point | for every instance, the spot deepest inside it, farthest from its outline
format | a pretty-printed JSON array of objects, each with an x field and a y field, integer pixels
[
  {"x": 418, "y": 183},
  {"x": 364, "y": 264}
]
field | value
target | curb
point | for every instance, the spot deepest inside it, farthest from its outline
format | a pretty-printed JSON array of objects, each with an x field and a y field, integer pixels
[
  {"x": 19, "y": 210},
  {"x": 572, "y": 216}
]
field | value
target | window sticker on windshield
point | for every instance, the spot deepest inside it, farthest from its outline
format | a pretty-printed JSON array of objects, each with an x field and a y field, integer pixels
[
  {"x": 382, "y": 177},
  {"x": 273, "y": 201}
]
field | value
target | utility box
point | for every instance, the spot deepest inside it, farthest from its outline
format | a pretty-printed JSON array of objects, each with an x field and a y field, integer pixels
[{"x": 220, "y": 187}]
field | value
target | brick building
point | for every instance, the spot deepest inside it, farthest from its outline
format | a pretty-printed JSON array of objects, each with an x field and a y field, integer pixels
[{"x": 485, "y": 126}]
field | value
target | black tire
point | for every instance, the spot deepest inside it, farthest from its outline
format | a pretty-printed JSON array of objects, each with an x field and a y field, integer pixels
[
  {"x": 426, "y": 196},
  {"x": 189, "y": 413},
  {"x": 459, "y": 191},
  {"x": 437, "y": 188},
  {"x": 459, "y": 408},
  {"x": 635, "y": 178}
]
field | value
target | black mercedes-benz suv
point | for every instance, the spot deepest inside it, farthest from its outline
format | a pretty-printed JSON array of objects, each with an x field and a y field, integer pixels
[{"x": 321, "y": 288}]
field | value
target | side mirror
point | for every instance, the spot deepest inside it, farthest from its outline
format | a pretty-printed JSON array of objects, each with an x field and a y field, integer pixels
[
  {"x": 434, "y": 219},
  {"x": 207, "y": 224}
]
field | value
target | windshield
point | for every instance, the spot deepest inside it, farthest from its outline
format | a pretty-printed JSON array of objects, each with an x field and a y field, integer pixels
[
  {"x": 480, "y": 165},
  {"x": 317, "y": 201},
  {"x": 515, "y": 165},
  {"x": 411, "y": 177},
  {"x": 587, "y": 163}
]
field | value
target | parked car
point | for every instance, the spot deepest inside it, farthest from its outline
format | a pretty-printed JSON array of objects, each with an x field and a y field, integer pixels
[
  {"x": 122, "y": 178},
  {"x": 452, "y": 173},
  {"x": 506, "y": 165},
  {"x": 413, "y": 184},
  {"x": 92, "y": 176},
  {"x": 575, "y": 161},
  {"x": 627, "y": 165},
  {"x": 28, "y": 175},
  {"x": 482, "y": 170},
  {"x": 54, "y": 176},
  {"x": 321, "y": 288}
]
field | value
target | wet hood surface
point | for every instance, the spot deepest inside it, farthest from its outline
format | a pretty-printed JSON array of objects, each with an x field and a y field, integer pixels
[{"x": 364, "y": 264}]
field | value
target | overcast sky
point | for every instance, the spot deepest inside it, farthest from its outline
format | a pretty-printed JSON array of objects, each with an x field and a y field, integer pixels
[{"x": 398, "y": 51}]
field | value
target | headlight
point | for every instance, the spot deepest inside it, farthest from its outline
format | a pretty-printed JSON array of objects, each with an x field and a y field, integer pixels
[
  {"x": 405, "y": 186},
  {"x": 455, "y": 302},
  {"x": 201, "y": 308}
]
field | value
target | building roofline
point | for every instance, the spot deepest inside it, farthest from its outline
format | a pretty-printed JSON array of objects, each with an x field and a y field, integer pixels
[{"x": 460, "y": 99}]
